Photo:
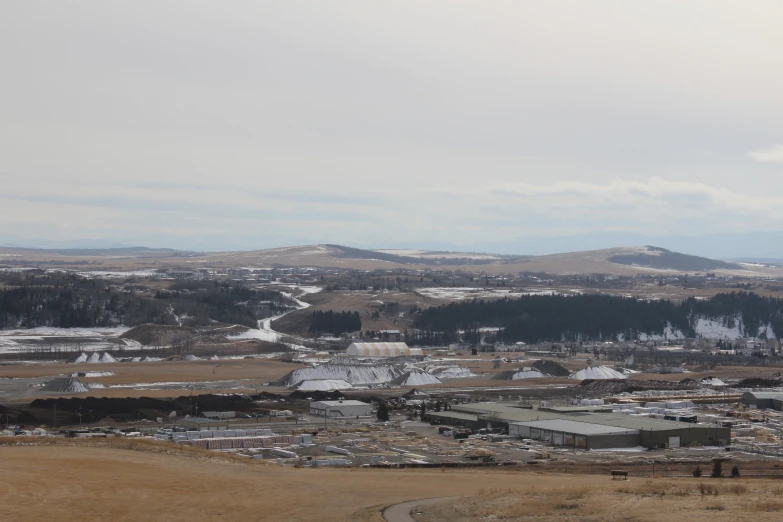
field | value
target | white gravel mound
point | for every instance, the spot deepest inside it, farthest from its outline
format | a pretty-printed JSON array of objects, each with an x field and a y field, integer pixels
[
  {"x": 323, "y": 385},
  {"x": 597, "y": 372}
]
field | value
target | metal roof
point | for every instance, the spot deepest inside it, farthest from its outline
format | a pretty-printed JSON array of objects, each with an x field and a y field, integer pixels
[
  {"x": 331, "y": 404},
  {"x": 453, "y": 415},
  {"x": 381, "y": 350},
  {"x": 576, "y": 427},
  {"x": 765, "y": 395},
  {"x": 505, "y": 412},
  {"x": 509, "y": 413},
  {"x": 631, "y": 421}
]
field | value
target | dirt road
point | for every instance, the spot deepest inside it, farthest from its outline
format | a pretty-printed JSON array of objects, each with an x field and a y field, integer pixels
[{"x": 402, "y": 512}]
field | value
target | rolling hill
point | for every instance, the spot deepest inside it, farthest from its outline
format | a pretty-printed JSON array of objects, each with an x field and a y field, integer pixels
[{"x": 612, "y": 261}]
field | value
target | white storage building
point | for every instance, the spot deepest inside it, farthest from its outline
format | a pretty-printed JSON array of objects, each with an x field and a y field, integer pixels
[
  {"x": 340, "y": 409},
  {"x": 382, "y": 350}
]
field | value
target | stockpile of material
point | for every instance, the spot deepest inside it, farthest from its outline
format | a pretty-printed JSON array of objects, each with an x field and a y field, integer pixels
[
  {"x": 227, "y": 443},
  {"x": 210, "y": 434},
  {"x": 95, "y": 358},
  {"x": 415, "y": 378},
  {"x": 597, "y": 373},
  {"x": 353, "y": 373},
  {"x": 65, "y": 385},
  {"x": 323, "y": 385}
]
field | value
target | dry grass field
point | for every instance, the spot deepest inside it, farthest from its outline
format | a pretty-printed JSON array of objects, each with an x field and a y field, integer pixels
[
  {"x": 638, "y": 500},
  {"x": 136, "y": 480},
  {"x": 185, "y": 371},
  {"x": 251, "y": 372}
]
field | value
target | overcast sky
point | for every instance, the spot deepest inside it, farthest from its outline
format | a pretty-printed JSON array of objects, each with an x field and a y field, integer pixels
[{"x": 250, "y": 124}]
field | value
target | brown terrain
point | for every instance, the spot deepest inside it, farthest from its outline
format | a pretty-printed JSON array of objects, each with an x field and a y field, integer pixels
[
  {"x": 138, "y": 480},
  {"x": 587, "y": 262}
]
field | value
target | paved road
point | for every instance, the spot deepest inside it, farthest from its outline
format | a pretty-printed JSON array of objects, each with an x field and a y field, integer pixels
[{"x": 402, "y": 512}]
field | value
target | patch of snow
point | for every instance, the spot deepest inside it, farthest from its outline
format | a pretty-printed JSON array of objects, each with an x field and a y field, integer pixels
[{"x": 719, "y": 328}]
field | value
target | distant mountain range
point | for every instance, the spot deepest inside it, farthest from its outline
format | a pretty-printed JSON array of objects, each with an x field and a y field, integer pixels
[{"x": 614, "y": 261}]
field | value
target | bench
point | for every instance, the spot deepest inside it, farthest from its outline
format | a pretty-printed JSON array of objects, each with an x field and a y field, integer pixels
[{"x": 618, "y": 473}]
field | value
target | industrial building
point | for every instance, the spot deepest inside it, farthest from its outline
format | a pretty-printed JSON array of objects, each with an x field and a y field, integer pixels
[
  {"x": 575, "y": 434},
  {"x": 763, "y": 400},
  {"x": 382, "y": 350},
  {"x": 340, "y": 409},
  {"x": 575, "y": 427}
]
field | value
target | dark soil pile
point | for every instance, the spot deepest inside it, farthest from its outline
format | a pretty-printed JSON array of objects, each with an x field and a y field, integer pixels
[
  {"x": 551, "y": 368},
  {"x": 760, "y": 382},
  {"x": 626, "y": 386}
]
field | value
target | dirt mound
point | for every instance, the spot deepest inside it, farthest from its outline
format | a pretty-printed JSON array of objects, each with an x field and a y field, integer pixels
[
  {"x": 624, "y": 386},
  {"x": 145, "y": 407},
  {"x": 65, "y": 385},
  {"x": 317, "y": 395},
  {"x": 505, "y": 375},
  {"x": 152, "y": 334},
  {"x": 760, "y": 382},
  {"x": 550, "y": 368}
]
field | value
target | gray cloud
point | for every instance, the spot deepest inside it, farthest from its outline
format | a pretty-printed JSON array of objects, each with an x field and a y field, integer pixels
[{"x": 253, "y": 124}]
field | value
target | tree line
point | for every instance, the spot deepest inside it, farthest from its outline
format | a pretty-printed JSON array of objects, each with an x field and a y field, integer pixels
[
  {"x": 335, "y": 323},
  {"x": 67, "y": 301},
  {"x": 595, "y": 317}
]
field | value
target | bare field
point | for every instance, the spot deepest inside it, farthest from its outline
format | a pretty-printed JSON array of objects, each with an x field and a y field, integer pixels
[
  {"x": 226, "y": 376},
  {"x": 130, "y": 373},
  {"x": 147, "y": 481},
  {"x": 636, "y": 500}
]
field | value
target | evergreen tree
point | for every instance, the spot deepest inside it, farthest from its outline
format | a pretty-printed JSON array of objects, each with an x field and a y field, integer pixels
[{"x": 383, "y": 412}]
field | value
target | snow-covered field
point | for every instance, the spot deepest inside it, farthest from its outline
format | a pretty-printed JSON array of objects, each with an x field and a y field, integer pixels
[
  {"x": 462, "y": 293},
  {"x": 47, "y": 338}
]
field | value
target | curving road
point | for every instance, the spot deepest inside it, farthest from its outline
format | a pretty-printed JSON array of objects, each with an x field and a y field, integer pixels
[{"x": 402, "y": 512}]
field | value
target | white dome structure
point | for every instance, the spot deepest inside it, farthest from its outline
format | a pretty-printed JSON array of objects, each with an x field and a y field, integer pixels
[{"x": 382, "y": 350}]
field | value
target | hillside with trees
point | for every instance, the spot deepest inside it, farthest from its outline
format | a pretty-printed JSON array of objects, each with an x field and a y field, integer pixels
[
  {"x": 335, "y": 323},
  {"x": 595, "y": 317},
  {"x": 67, "y": 300}
]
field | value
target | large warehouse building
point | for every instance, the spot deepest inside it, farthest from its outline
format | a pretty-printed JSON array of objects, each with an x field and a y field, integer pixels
[
  {"x": 340, "y": 409},
  {"x": 382, "y": 350},
  {"x": 584, "y": 429},
  {"x": 763, "y": 400}
]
